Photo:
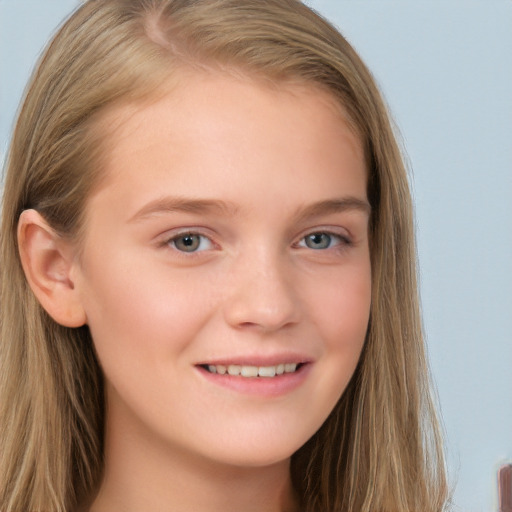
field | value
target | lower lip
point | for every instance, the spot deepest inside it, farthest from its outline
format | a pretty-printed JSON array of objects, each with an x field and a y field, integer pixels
[{"x": 260, "y": 386}]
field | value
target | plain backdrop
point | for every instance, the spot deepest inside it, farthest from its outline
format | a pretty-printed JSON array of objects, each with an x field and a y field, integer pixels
[{"x": 445, "y": 68}]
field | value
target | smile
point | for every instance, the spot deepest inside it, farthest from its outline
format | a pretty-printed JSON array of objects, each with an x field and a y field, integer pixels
[
  {"x": 236, "y": 370},
  {"x": 265, "y": 381}
]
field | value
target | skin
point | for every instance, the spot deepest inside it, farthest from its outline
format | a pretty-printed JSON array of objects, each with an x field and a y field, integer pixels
[{"x": 253, "y": 170}]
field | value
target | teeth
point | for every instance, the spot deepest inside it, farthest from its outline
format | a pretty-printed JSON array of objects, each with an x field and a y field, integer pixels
[
  {"x": 267, "y": 371},
  {"x": 249, "y": 371},
  {"x": 237, "y": 370},
  {"x": 234, "y": 369}
]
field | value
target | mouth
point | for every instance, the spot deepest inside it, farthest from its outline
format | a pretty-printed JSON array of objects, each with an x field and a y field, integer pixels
[
  {"x": 263, "y": 377},
  {"x": 253, "y": 372}
]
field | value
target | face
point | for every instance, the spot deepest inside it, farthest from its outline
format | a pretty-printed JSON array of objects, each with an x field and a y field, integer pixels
[{"x": 225, "y": 271}]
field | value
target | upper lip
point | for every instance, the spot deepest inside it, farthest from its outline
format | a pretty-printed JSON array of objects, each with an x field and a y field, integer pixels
[{"x": 257, "y": 360}]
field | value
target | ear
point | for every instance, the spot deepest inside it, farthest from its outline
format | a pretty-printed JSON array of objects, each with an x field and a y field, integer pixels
[{"x": 47, "y": 261}]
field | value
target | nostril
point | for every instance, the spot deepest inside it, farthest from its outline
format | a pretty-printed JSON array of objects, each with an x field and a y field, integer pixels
[{"x": 261, "y": 299}]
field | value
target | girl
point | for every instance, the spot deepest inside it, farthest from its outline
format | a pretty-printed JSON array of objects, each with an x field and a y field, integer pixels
[{"x": 208, "y": 273}]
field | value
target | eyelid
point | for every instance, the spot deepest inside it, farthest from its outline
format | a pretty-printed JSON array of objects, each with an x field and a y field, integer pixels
[
  {"x": 340, "y": 233},
  {"x": 167, "y": 239}
]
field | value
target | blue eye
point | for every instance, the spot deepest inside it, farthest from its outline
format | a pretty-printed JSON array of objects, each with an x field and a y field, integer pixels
[
  {"x": 190, "y": 242},
  {"x": 322, "y": 240}
]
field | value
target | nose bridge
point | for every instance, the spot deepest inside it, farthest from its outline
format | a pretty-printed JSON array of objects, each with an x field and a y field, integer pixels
[{"x": 262, "y": 293}]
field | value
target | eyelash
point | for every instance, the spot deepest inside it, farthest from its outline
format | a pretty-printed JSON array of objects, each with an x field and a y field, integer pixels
[
  {"x": 171, "y": 242},
  {"x": 341, "y": 241}
]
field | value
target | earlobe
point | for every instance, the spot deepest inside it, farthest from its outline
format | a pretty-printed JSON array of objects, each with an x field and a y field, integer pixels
[{"x": 47, "y": 261}]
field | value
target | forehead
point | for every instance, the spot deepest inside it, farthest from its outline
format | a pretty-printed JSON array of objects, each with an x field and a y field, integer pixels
[
  {"x": 207, "y": 125},
  {"x": 208, "y": 93}
]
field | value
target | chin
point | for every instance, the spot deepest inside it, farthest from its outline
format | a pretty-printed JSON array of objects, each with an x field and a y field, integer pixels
[{"x": 257, "y": 452}]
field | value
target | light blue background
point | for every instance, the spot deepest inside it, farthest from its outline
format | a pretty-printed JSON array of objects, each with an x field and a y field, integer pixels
[{"x": 445, "y": 68}]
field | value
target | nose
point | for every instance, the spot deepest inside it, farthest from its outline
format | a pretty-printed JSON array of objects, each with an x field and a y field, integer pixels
[{"x": 262, "y": 294}]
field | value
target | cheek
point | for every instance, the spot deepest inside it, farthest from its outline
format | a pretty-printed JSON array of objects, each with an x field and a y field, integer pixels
[
  {"x": 340, "y": 312},
  {"x": 342, "y": 307},
  {"x": 136, "y": 312}
]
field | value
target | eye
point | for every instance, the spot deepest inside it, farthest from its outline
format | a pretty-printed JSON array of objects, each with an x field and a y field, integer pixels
[
  {"x": 190, "y": 242},
  {"x": 322, "y": 240}
]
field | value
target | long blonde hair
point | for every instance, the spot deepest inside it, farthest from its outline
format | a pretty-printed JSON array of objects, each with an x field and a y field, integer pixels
[{"x": 380, "y": 449}]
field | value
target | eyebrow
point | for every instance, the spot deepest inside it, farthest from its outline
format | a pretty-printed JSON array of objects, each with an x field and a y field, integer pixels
[
  {"x": 227, "y": 208},
  {"x": 185, "y": 205},
  {"x": 337, "y": 205}
]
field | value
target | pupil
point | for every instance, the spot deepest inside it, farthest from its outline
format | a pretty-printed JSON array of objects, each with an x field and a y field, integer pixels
[
  {"x": 187, "y": 243},
  {"x": 318, "y": 241}
]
